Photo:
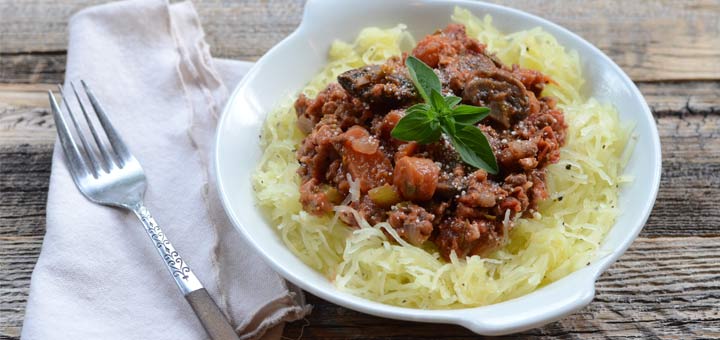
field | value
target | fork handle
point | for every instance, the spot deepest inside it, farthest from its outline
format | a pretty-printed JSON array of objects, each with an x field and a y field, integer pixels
[
  {"x": 210, "y": 315},
  {"x": 212, "y": 319}
]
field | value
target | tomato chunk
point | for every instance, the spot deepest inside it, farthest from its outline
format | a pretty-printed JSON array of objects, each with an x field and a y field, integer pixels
[
  {"x": 364, "y": 160},
  {"x": 416, "y": 178}
]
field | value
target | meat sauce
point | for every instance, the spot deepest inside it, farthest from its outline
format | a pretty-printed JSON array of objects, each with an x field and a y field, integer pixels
[{"x": 425, "y": 192}]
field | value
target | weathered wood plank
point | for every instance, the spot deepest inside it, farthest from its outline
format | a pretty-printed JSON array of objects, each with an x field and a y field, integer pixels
[
  {"x": 22, "y": 125},
  {"x": 17, "y": 259},
  {"x": 696, "y": 97},
  {"x": 45, "y": 67},
  {"x": 24, "y": 179},
  {"x": 652, "y": 41},
  {"x": 25, "y": 95}
]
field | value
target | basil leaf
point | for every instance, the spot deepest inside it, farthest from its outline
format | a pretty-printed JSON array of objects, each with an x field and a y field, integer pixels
[
  {"x": 417, "y": 125},
  {"x": 451, "y": 101},
  {"x": 474, "y": 148},
  {"x": 448, "y": 124},
  {"x": 431, "y": 135},
  {"x": 468, "y": 114},
  {"x": 426, "y": 108},
  {"x": 423, "y": 77},
  {"x": 469, "y": 109},
  {"x": 437, "y": 101}
]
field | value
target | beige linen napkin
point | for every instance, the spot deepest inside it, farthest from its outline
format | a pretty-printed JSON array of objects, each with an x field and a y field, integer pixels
[{"x": 98, "y": 275}]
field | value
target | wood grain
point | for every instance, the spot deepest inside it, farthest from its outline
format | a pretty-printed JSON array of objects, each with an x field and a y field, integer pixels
[
  {"x": 651, "y": 40},
  {"x": 17, "y": 259},
  {"x": 687, "y": 97},
  {"x": 32, "y": 67}
]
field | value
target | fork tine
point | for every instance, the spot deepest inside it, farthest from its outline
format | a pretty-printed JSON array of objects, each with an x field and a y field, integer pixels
[
  {"x": 114, "y": 138},
  {"x": 94, "y": 165},
  {"x": 76, "y": 162},
  {"x": 106, "y": 157}
]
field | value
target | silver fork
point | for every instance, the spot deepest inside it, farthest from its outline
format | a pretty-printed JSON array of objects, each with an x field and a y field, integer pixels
[{"x": 115, "y": 178}]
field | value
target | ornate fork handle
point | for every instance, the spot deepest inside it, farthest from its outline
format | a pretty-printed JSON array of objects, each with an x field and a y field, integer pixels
[
  {"x": 212, "y": 319},
  {"x": 184, "y": 277}
]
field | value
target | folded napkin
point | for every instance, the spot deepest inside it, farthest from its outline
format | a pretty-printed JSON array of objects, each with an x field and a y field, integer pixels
[{"x": 98, "y": 275}]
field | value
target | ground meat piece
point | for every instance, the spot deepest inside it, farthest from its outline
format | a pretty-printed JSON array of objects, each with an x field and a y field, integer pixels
[
  {"x": 534, "y": 105},
  {"x": 533, "y": 80},
  {"x": 411, "y": 222},
  {"x": 317, "y": 151},
  {"x": 306, "y": 118},
  {"x": 441, "y": 151},
  {"x": 380, "y": 85},
  {"x": 496, "y": 140},
  {"x": 517, "y": 150},
  {"x": 538, "y": 191},
  {"x": 511, "y": 203},
  {"x": 549, "y": 130},
  {"x": 315, "y": 200},
  {"x": 480, "y": 198},
  {"x": 382, "y": 126},
  {"x": 451, "y": 182},
  {"x": 548, "y": 146},
  {"x": 367, "y": 209},
  {"x": 430, "y": 49},
  {"x": 439, "y": 209},
  {"x": 333, "y": 100},
  {"x": 336, "y": 175},
  {"x": 416, "y": 178},
  {"x": 456, "y": 75},
  {"x": 517, "y": 200},
  {"x": 516, "y": 180},
  {"x": 468, "y": 237},
  {"x": 528, "y": 163},
  {"x": 502, "y": 93},
  {"x": 363, "y": 159},
  {"x": 443, "y": 46},
  {"x": 522, "y": 148},
  {"x": 405, "y": 149}
]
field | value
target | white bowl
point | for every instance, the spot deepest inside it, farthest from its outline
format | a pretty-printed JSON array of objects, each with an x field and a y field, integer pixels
[{"x": 288, "y": 66}]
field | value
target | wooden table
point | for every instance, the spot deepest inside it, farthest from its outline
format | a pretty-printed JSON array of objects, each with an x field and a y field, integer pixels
[{"x": 666, "y": 286}]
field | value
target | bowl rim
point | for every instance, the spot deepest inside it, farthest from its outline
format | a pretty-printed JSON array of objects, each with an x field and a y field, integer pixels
[{"x": 461, "y": 316}]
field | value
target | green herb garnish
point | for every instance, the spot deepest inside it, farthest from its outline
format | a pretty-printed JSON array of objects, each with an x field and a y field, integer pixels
[{"x": 424, "y": 123}]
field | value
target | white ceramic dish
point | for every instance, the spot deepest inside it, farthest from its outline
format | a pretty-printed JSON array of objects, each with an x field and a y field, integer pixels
[{"x": 287, "y": 67}]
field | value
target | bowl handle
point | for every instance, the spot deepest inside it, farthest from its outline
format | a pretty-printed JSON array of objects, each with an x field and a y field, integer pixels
[{"x": 545, "y": 305}]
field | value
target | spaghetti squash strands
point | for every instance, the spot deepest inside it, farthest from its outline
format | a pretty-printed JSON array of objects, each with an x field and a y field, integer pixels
[{"x": 563, "y": 236}]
